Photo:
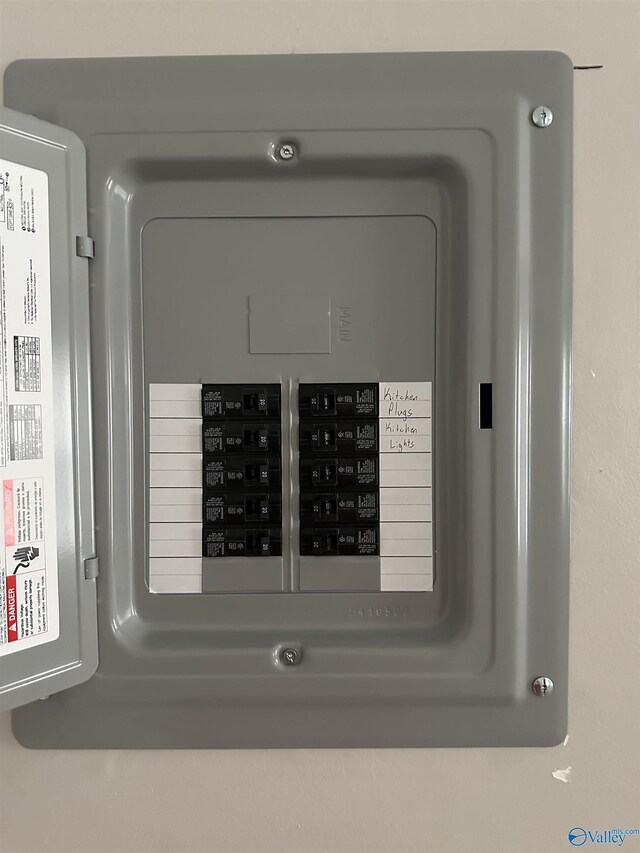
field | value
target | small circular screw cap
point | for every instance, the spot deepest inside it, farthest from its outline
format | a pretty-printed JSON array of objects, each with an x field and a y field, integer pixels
[
  {"x": 285, "y": 151},
  {"x": 542, "y": 685},
  {"x": 290, "y": 656},
  {"x": 542, "y": 116}
]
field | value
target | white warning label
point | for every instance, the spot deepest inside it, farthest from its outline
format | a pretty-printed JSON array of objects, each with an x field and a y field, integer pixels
[{"x": 29, "y": 613}]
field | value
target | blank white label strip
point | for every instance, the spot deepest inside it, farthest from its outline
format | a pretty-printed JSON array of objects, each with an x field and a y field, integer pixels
[
  {"x": 175, "y": 443},
  {"x": 183, "y": 391},
  {"x": 402, "y": 462},
  {"x": 403, "y": 478},
  {"x": 408, "y": 539},
  {"x": 177, "y": 566},
  {"x": 174, "y": 479},
  {"x": 405, "y": 512},
  {"x": 406, "y": 574},
  {"x": 175, "y": 512},
  {"x": 175, "y": 548},
  {"x": 405, "y": 462},
  {"x": 167, "y": 497},
  {"x": 410, "y": 530},
  {"x": 178, "y": 530},
  {"x": 175, "y": 574},
  {"x": 175, "y": 488},
  {"x": 406, "y": 566},
  {"x": 175, "y": 470},
  {"x": 405, "y": 548},
  {"x": 395, "y": 497},
  {"x": 174, "y": 408},
  {"x": 176, "y": 462},
  {"x": 173, "y": 584},
  {"x": 165, "y": 426}
]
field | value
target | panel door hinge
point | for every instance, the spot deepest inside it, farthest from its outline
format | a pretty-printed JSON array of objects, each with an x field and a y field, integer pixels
[
  {"x": 91, "y": 568},
  {"x": 85, "y": 247}
]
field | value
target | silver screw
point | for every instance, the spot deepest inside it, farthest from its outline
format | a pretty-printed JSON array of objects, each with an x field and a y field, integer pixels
[
  {"x": 286, "y": 151},
  {"x": 542, "y": 116},
  {"x": 290, "y": 656},
  {"x": 542, "y": 685}
]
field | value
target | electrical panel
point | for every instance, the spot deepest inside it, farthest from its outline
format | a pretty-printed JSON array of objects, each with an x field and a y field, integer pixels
[{"x": 284, "y": 425}]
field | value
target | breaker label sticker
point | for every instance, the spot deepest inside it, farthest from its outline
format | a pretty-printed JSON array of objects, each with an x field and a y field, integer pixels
[
  {"x": 29, "y": 611},
  {"x": 406, "y": 517}
]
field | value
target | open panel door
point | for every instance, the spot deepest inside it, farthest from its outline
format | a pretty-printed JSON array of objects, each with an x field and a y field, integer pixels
[{"x": 48, "y": 620}]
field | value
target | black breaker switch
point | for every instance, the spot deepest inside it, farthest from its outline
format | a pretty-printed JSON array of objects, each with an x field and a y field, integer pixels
[
  {"x": 231, "y": 437},
  {"x": 339, "y": 541},
  {"x": 339, "y": 437},
  {"x": 241, "y": 541},
  {"x": 238, "y": 507},
  {"x": 240, "y": 401},
  {"x": 241, "y": 472},
  {"x": 339, "y": 506},
  {"x": 360, "y": 471},
  {"x": 343, "y": 400}
]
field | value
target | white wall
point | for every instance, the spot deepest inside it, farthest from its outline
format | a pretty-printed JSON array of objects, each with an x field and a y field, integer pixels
[{"x": 407, "y": 800}]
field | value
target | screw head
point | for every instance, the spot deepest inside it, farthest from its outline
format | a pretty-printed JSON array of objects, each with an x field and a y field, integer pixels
[
  {"x": 290, "y": 656},
  {"x": 542, "y": 685},
  {"x": 542, "y": 116},
  {"x": 286, "y": 151}
]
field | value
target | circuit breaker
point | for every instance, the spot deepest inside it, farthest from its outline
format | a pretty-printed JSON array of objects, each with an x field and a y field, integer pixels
[{"x": 284, "y": 423}]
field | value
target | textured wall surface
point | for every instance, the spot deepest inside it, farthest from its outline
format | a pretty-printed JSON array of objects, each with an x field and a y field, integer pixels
[{"x": 407, "y": 800}]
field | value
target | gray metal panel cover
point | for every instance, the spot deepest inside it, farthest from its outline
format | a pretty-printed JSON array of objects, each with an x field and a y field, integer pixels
[
  {"x": 179, "y": 164},
  {"x": 36, "y": 672}
]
